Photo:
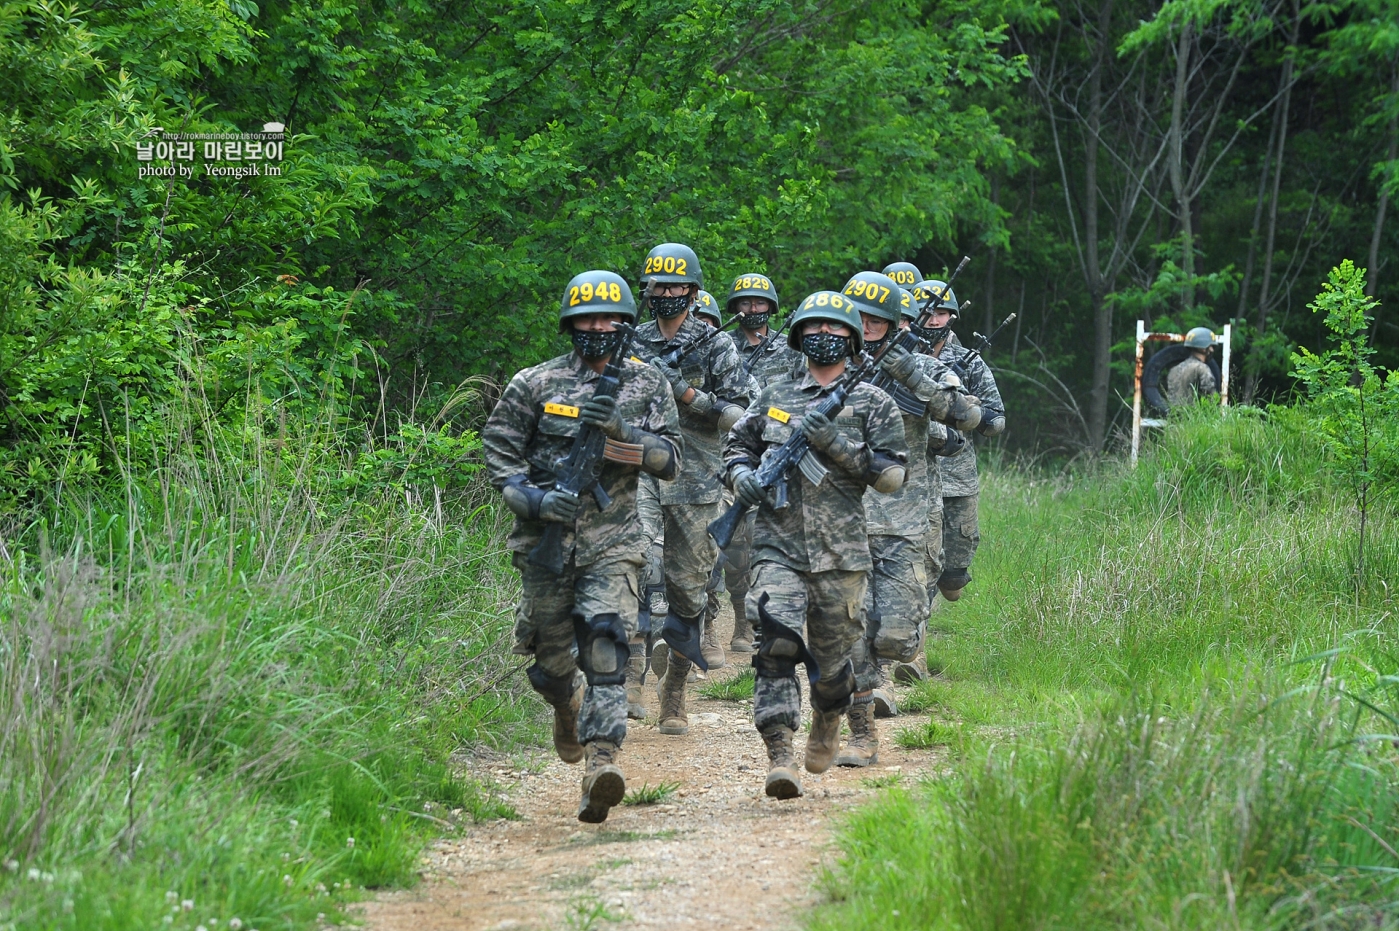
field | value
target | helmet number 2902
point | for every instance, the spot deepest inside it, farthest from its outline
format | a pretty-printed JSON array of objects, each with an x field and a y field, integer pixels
[{"x": 666, "y": 265}]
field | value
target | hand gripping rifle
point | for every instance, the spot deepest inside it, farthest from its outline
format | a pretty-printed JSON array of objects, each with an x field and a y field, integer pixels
[
  {"x": 578, "y": 472},
  {"x": 796, "y": 453},
  {"x": 913, "y": 340}
]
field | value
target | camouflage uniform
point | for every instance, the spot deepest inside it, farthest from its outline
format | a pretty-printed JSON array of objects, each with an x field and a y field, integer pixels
[
  {"x": 897, "y": 602},
  {"x": 811, "y": 559},
  {"x": 604, "y": 551},
  {"x": 778, "y": 362},
  {"x": 1189, "y": 381},
  {"x": 693, "y": 500},
  {"x": 960, "y": 486}
]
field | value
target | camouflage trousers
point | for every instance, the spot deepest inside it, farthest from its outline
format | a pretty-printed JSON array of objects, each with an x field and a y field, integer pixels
[
  {"x": 544, "y": 629},
  {"x": 828, "y": 607},
  {"x": 736, "y": 564},
  {"x": 896, "y": 606},
  {"x": 690, "y": 555},
  {"x": 960, "y": 535},
  {"x": 933, "y": 558}
]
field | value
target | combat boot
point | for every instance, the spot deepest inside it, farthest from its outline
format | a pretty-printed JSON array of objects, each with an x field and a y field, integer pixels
[
  {"x": 742, "y": 640},
  {"x": 710, "y": 649},
  {"x": 884, "y": 704},
  {"x": 823, "y": 740},
  {"x": 674, "y": 721},
  {"x": 862, "y": 748},
  {"x": 636, "y": 678},
  {"x": 603, "y": 783},
  {"x": 914, "y": 672},
  {"x": 566, "y": 743},
  {"x": 782, "y": 781}
]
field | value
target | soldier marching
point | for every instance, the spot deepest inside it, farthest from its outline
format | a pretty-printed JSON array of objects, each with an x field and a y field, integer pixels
[{"x": 816, "y": 469}]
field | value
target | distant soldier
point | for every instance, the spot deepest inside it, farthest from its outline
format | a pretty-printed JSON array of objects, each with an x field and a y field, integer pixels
[
  {"x": 766, "y": 357},
  {"x": 811, "y": 558},
  {"x": 960, "y": 486},
  {"x": 711, "y": 392},
  {"x": 707, "y": 309},
  {"x": 897, "y": 601},
  {"x": 591, "y": 606},
  {"x": 1191, "y": 379}
]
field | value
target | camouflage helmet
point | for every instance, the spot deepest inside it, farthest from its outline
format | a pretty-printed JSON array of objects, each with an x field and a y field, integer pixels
[
  {"x": 905, "y": 274},
  {"x": 596, "y": 292},
  {"x": 707, "y": 307},
  {"x": 826, "y": 305},
  {"x": 874, "y": 293},
  {"x": 670, "y": 263},
  {"x": 1201, "y": 337},
  {"x": 924, "y": 290},
  {"x": 751, "y": 284}
]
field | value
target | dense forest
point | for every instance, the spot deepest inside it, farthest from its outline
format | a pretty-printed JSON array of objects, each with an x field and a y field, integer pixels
[{"x": 446, "y": 167}]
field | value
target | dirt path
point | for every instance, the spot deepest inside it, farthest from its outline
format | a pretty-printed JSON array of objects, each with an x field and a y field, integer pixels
[{"x": 704, "y": 858}]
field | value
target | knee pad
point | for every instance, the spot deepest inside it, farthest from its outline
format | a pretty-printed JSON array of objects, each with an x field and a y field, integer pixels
[
  {"x": 556, "y": 690},
  {"x": 833, "y": 693},
  {"x": 682, "y": 634},
  {"x": 643, "y": 614},
  {"x": 603, "y": 648},
  {"x": 781, "y": 648},
  {"x": 954, "y": 578}
]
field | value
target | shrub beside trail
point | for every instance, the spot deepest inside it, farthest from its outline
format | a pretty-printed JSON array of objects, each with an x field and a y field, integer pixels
[
  {"x": 1169, "y": 701},
  {"x": 233, "y": 688}
]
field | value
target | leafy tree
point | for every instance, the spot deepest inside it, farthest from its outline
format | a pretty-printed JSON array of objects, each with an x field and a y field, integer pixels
[{"x": 1356, "y": 408}]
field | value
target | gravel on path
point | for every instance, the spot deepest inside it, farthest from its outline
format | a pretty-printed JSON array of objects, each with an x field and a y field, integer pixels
[{"x": 717, "y": 853}]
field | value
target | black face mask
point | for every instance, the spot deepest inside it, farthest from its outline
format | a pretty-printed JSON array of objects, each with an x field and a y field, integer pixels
[
  {"x": 754, "y": 322},
  {"x": 933, "y": 335},
  {"x": 666, "y": 308},
  {"x": 593, "y": 346},
  {"x": 825, "y": 348}
]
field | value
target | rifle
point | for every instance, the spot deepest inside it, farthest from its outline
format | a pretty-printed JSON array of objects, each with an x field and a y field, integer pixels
[
  {"x": 796, "y": 452},
  {"x": 579, "y": 470},
  {"x": 982, "y": 344},
  {"x": 913, "y": 340},
  {"x": 674, "y": 357},
  {"x": 762, "y": 347}
]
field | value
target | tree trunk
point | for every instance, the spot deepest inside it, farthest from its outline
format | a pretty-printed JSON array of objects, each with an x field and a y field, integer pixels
[
  {"x": 1102, "y": 310},
  {"x": 1257, "y": 225},
  {"x": 1264, "y": 295},
  {"x": 1176, "y": 167},
  {"x": 1372, "y": 270}
]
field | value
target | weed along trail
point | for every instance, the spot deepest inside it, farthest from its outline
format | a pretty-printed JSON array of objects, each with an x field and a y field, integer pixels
[{"x": 709, "y": 854}]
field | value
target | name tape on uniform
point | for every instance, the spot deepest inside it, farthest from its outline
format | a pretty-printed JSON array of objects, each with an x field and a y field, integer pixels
[
  {"x": 779, "y": 415},
  {"x": 561, "y": 409}
]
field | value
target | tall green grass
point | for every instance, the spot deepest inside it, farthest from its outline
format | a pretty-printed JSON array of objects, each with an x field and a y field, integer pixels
[
  {"x": 235, "y": 686},
  {"x": 1148, "y": 737}
]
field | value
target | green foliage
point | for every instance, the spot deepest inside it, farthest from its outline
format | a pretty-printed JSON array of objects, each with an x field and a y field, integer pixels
[
  {"x": 1247, "y": 808},
  {"x": 1353, "y": 408},
  {"x": 1165, "y": 702},
  {"x": 235, "y": 684},
  {"x": 649, "y": 794},
  {"x": 731, "y": 688}
]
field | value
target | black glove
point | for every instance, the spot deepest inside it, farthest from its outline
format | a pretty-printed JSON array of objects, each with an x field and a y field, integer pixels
[
  {"x": 820, "y": 431},
  {"x": 899, "y": 364},
  {"x": 747, "y": 489},
  {"x": 678, "y": 384},
  {"x": 602, "y": 413},
  {"x": 558, "y": 507}
]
